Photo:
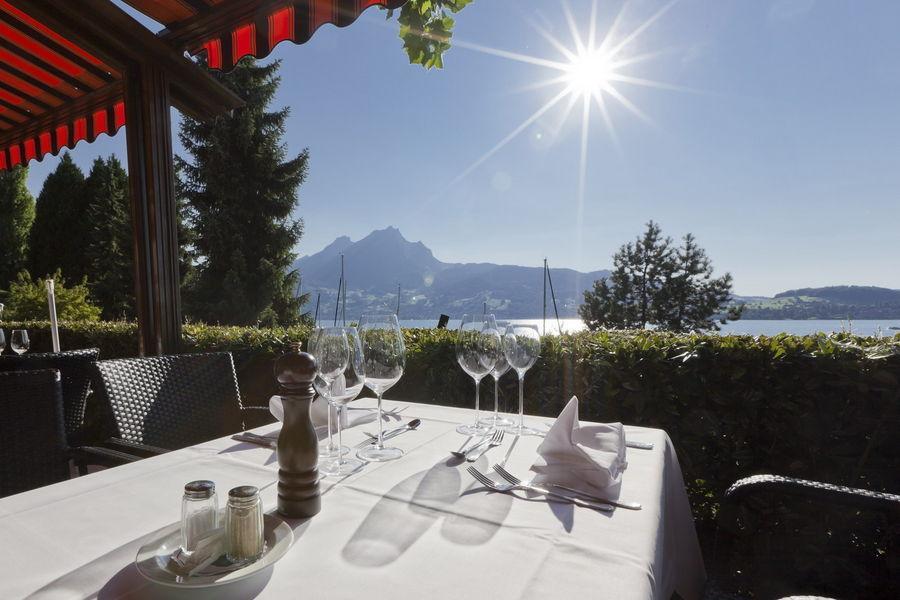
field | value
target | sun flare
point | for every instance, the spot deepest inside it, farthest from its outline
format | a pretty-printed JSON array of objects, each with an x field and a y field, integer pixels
[{"x": 589, "y": 72}]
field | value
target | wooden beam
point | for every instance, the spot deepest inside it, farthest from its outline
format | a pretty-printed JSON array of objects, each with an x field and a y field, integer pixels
[
  {"x": 151, "y": 176},
  {"x": 188, "y": 34}
]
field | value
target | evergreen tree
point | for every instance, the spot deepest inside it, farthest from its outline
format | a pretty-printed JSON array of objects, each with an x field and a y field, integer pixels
[
  {"x": 110, "y": 247},
  {"x": 16, "y": 216},
  {"x": 241, "y": 190},
  {"x": 653, "y": 283},
  {"x": 59, "y": 234}
]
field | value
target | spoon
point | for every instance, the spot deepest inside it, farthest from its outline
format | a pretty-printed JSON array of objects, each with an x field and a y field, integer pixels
[{"x": 395, "y": 432}]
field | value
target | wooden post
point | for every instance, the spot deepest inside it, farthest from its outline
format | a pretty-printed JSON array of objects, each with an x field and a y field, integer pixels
[{"x": 151, "y": 176}]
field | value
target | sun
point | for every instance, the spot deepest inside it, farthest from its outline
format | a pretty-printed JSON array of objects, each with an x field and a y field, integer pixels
[{"x": 589, "y": 73}]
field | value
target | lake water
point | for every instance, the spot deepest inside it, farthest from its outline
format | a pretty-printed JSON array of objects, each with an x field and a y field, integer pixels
[{"x": 745, "y": 327}]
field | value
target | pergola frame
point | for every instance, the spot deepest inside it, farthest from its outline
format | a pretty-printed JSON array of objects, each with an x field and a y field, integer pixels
[
  {"x": 157, "y": 77},
  {"x": 135, "y": 78}
]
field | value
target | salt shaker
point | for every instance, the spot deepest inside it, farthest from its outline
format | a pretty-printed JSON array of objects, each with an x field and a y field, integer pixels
[
  {"x": 244, "y": 524},
  {"x": 199, "y": 512}
]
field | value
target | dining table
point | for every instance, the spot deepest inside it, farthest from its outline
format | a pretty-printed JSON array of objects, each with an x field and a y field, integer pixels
[{"x": 420, "y": 527}]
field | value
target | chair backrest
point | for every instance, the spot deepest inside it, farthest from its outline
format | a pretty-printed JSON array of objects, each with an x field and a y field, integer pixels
[
  {"x": 171, "y": 401},
  {"x": 32, "y": 438},
  {"x": 75, "y": 367}
]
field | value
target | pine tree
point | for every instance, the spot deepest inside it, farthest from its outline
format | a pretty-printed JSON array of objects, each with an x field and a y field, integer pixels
[
  {"x": 16, "y": 216},
  {"x": 653, "y": 283},
  {"x": 59, "y": 234},
  {"x": 110, "y": 248},
  {"x": 241, "y": 190}
]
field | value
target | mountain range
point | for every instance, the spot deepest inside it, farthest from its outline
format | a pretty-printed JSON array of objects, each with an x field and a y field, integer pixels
[{"x": 376, "y": 264}]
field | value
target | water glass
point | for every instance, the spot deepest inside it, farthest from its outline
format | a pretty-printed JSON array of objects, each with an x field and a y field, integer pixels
[
  {"x": 384, "y": 355},
  {"x": 345, "y": 389},
  {"x": 478, "y": 349},
  {"x": 499, "y": 370},
  {"x": 19, "y": 342},
  {"x": 329, "y": 346},
  {"x": 2, "y": 342},
  {"x": 522, "y": 347}
]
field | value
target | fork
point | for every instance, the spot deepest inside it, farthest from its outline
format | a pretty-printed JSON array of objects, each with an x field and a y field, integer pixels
[
  {"x": 496, "y": 440},
  {"x": 509, "y": 487},
  {"x": 461, "y": 453},
  {"x": 499, "y": 470}
]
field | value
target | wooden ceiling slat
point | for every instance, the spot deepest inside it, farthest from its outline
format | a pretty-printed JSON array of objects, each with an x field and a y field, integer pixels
[
  {"x": 24, "y": 57},
  {"x": 13, "y": 74}
]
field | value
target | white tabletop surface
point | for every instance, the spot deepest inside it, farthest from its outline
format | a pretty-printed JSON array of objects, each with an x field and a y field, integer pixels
[{"x": 418, "y": 527}]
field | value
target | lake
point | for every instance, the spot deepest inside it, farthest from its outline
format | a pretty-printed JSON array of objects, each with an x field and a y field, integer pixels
[{"x": 747, "y": 327}]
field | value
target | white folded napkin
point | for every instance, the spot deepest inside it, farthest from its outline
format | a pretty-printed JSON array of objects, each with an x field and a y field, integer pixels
[
  {"x": 581, "y": 456},
  {"x": 318, "y": 412}
]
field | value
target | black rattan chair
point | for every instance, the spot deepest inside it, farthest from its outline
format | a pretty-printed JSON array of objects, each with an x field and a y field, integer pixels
[
  {"x": 779, "y": 535},
  {"x": 32, "y": 438},
  {"x": 163, "y": 403},
  {"x": 76, "y": 368}
]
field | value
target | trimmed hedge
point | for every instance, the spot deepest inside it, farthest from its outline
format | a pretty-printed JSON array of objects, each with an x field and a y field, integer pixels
[{"x": 818, "y": 407}]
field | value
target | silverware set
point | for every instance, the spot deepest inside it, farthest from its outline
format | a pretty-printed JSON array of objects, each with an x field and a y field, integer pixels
[{"x": 578, "y": 498}]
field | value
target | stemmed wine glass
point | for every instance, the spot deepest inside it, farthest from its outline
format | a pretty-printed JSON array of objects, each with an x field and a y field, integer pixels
[
  {"x": 385, "y": 359},
  {"x": 345, "y": 388},
  {"x": 500, "y": 369},
  {"x": 522, "y": 347},
  {"x": 329, "y": 346},
  {"x": 478, "y": 348},
  {"x": 19, "y": 342}
]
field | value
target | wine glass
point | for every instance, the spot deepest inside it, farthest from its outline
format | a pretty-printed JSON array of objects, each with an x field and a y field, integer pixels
[
  {"x": 332, "y": 351},
  {"x": 478, "y": 348},
  {"x": 522, "y": 347},
  {"x": 345, "y": 389},
  {"x": 385, "y": 359},
  {"x": 19, "y": 341},
  {"x": 499, "y": 370},
  {"x": 2, "y": 342}
]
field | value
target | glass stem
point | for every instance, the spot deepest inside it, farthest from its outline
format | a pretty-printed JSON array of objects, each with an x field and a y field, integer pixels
[
  {"x": 330, "y": 439},
  {"x": 380, "y": 425},
  {"x": 340, "y": 414},
  {"x": 521, "y": 400},
  {"x": 477, "y": 399},
  {"x": 496, "y": 399}
]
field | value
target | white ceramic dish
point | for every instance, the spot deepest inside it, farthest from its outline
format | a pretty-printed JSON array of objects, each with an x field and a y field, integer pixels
[{"x": 154, "y": 559}]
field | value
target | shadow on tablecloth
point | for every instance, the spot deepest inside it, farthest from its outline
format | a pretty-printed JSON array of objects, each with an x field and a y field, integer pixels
[{"x": 410, "y": 508}]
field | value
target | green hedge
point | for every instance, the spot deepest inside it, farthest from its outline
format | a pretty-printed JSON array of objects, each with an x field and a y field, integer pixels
[{"x": 818, "y": 407}]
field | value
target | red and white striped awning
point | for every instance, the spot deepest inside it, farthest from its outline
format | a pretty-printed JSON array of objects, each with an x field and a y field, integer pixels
[{"x": 54, "y": 93}]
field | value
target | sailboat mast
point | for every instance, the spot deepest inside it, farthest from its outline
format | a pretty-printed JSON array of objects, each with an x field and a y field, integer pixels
[
  {"x": 544, "y": 326},
  {"x": 344, "y": 296},
  {"x": 553, "y": 297},
  {"x": 337, "y": 304},
  {"x": 398, "y": 301},
  {"x": 316, "y": 317}
]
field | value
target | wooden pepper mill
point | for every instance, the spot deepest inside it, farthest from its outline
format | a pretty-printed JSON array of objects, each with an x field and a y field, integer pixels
[{"x": 298, "y": 446}]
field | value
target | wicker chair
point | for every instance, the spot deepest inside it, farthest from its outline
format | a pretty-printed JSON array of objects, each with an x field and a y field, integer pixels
[
  {"x": 76, "y": 368},
  {"x": 156, "y": 404},
  {"x": 806, "y": 536},
  {"x": 32, "y": 438}
]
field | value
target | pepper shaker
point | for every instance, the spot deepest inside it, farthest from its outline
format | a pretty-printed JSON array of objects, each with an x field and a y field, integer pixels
[{"x": 244, "y": 540}]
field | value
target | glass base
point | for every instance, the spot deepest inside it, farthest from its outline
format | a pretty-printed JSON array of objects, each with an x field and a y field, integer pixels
[
  {"x": 375, "y": 454},
  {"x": 326, "y": 452},
  {"x": 524, "y": 430},
  {"x": 471, "y": 429},
  {"x": 345, "y": 467},
  {"x": 495, "y": 421}
]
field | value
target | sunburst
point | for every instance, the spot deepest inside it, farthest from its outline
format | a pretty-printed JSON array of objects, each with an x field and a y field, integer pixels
[{"x": 587, "y": 70}]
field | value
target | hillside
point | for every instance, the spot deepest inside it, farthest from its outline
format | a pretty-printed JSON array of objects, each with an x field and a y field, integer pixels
[
  {"x": 375, "y": 265},
  {"x": 834, "y": 302}
]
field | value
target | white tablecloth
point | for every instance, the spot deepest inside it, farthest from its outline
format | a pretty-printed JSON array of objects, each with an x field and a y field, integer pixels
[{"x": 407, "y": 529}]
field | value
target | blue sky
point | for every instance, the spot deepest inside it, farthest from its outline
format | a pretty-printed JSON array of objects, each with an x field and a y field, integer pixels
[{"x": 782, "y": 155}]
